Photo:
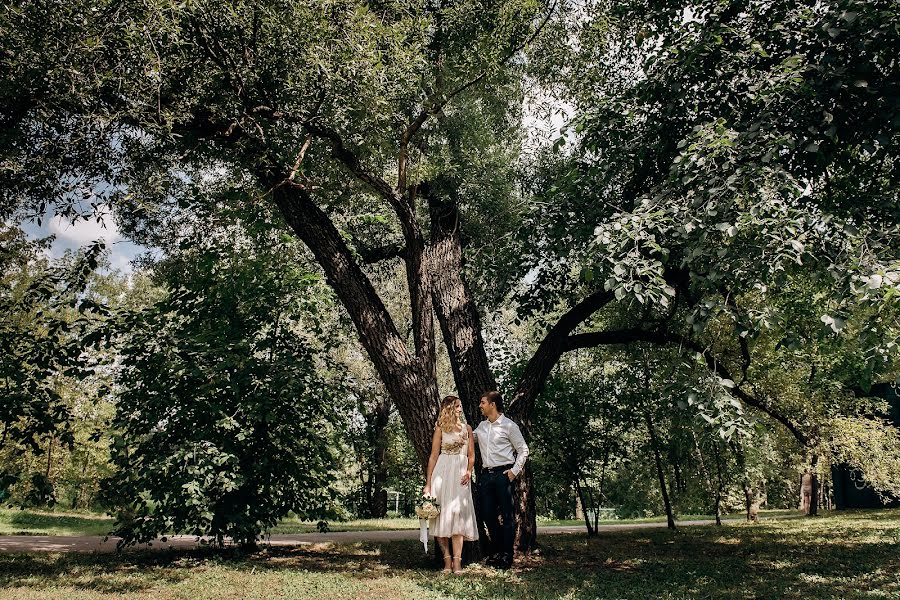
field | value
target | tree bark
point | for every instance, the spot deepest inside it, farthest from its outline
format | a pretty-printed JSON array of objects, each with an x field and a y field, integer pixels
[
  {"x": 412, "y": 388},
  {"x": 456, "y": 311},
  {"x": 814, "y": 495},
  {"x": 703, "y": 470},
  {"x": 377, "y": 421},
  {"x": 720, "y": 486},
  {"x": 551, "y": 348},
  {"x": 670, "y": 517},
  {"x": 584, "y": 508}
]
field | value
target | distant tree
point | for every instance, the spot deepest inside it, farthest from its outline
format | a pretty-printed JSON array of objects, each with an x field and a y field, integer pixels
[
  {"x": 580, "y": 426},
  {"x": 45, "y": 316}
]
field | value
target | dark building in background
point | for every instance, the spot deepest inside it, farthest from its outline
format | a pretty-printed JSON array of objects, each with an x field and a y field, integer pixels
[{"x": 849, "y": 488}]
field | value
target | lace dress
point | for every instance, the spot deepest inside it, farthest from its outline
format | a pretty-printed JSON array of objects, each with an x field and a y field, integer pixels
[{"x": 457, "y": 509}]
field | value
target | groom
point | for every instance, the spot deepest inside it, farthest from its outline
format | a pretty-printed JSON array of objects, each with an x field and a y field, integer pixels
[{"x": 503, "y": 453}]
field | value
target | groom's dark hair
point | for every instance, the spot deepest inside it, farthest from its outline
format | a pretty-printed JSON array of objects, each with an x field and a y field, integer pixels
[{"x": 495, "y": 398}]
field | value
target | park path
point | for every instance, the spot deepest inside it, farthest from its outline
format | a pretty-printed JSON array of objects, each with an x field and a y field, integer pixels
[{"x": 94, "y": 543}]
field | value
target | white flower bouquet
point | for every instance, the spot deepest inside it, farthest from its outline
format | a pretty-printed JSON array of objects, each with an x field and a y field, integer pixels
[{"x": 428, "y": 507}]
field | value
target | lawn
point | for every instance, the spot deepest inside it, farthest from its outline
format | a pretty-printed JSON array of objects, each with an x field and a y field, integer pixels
[
  {"x": 847, "y": 555},
  {"x": 28, "y": 522}
]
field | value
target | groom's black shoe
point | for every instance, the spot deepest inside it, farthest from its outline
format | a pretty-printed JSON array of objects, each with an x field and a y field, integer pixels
[
  {"x": 494, "y": 560},
  {"x": 505, "y": 562}
]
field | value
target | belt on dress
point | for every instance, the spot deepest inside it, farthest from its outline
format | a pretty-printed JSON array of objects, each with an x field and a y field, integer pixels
[{"x": 499, "y": 469}]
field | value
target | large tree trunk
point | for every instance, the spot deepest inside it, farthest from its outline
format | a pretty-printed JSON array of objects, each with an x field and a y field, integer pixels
[
  {"x": 456, "y": 311},
  {"x": 585, "y": 507},
  {"x": 411, "y": 386},
  {"x": 814, "y": 504},
  {"x": 461, "y": 329},
  {"x": 720, "y": 486}
]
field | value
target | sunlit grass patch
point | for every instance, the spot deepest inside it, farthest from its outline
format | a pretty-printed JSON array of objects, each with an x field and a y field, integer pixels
[
  {"x": 292, "y": 525},
  {"x": 14, "y": 521}
]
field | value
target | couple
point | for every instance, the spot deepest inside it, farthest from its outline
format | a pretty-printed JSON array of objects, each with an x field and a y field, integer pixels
[{"x": 503, "y": 454}]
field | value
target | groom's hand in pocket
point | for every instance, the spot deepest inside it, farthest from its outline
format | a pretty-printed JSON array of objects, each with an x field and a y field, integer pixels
[{"x": 510, "y": 475}]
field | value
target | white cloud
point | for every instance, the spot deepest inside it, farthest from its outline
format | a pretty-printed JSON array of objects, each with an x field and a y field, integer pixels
[
  {"x": 120, "y": 260},
  {"x": 84, "y": 232},
  {"x": 71, "y": 236}
]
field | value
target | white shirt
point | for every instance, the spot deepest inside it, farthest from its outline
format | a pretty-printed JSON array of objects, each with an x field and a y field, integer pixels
[{"x": 498, "y": 440}]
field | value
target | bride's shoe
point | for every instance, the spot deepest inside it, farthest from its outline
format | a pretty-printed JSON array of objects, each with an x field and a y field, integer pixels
[
  {"x": 457, "y": 570},
  {"x": 448, "y": 565}
]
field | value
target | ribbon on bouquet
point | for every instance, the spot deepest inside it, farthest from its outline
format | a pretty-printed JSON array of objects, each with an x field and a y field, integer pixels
[{"x": 423, "y": 533}]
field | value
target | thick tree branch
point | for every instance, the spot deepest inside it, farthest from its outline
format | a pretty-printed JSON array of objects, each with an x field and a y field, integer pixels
[
  {"x": 625, "y": 336},
  {"x": 745, "y": 358},
  {"x": 412, "y": 386},
  {"x": 300, "y": 156},
  {"x": 717, "y": 367},
  {"x": 616, "y": 336},
  {"x": 455, "y": 306},
  {"x": 214, "y": 50},
  {"x": 550, "y": 349},
  {"x": 417, "y": 270},
  {"x": 351, "y": 161}
]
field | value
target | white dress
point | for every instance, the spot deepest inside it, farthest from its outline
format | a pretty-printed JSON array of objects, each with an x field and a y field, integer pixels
[{"x": 457, "y": 515}]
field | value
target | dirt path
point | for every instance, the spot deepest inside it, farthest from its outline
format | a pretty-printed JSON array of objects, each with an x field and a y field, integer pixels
[{"x": 93, "y": 543}]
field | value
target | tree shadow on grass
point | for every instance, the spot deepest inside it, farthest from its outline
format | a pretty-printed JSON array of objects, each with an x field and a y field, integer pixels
[
  {"x": 732, "y": 563},
  {"x": 847, "y": 556},
  {"x": 853, "y": 556},
  {"x": 104, "y": 573}
]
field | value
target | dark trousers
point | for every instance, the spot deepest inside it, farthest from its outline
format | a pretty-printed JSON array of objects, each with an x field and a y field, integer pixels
[{"x": 495, "y": 493}]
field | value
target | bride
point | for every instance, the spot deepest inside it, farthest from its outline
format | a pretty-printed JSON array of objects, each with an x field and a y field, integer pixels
[{"x": 447, "y": 479}]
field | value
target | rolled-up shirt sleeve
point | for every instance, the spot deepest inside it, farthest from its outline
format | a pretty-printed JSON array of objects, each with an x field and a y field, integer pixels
[{"x": 518, "y": 442}]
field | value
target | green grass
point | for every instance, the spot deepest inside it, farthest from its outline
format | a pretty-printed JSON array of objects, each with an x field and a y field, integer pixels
[
  {"x": 29, "y": 522},
  {"x": 763, "y": 514},
  {"x": 846, "y": 555},
  {"x": 297, "y": 526}
]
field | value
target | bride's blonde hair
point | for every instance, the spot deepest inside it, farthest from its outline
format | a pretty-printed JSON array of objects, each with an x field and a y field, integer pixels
[{"x": 447, "y": 418}]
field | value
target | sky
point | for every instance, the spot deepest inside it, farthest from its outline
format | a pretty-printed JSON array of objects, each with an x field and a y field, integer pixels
[{"x": 71, "y": 236}]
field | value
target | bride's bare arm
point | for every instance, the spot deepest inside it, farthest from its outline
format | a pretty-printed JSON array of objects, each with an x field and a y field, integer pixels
[
  {"x": 432, "y": 459},
  {"x": 471, "y": 441}
]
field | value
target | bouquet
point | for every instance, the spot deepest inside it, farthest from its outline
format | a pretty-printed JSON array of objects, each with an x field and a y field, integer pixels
[{"x": 427, "y": 508}]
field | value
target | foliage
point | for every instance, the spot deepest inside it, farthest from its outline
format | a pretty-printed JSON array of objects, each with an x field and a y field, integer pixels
[
  {"x": 871, "y": 446},
  {"x": 764, "y": 142},
  {"x": 728, "y": 184},
  {"x": 582, "y": 436},
  {"x": 46, "y": 319},
  {"x": 730, "y": 165},
  {"x": 150, "y": 97},
  {"x": 404, "y": 472},
  {"x": 225, "y": 407}
]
